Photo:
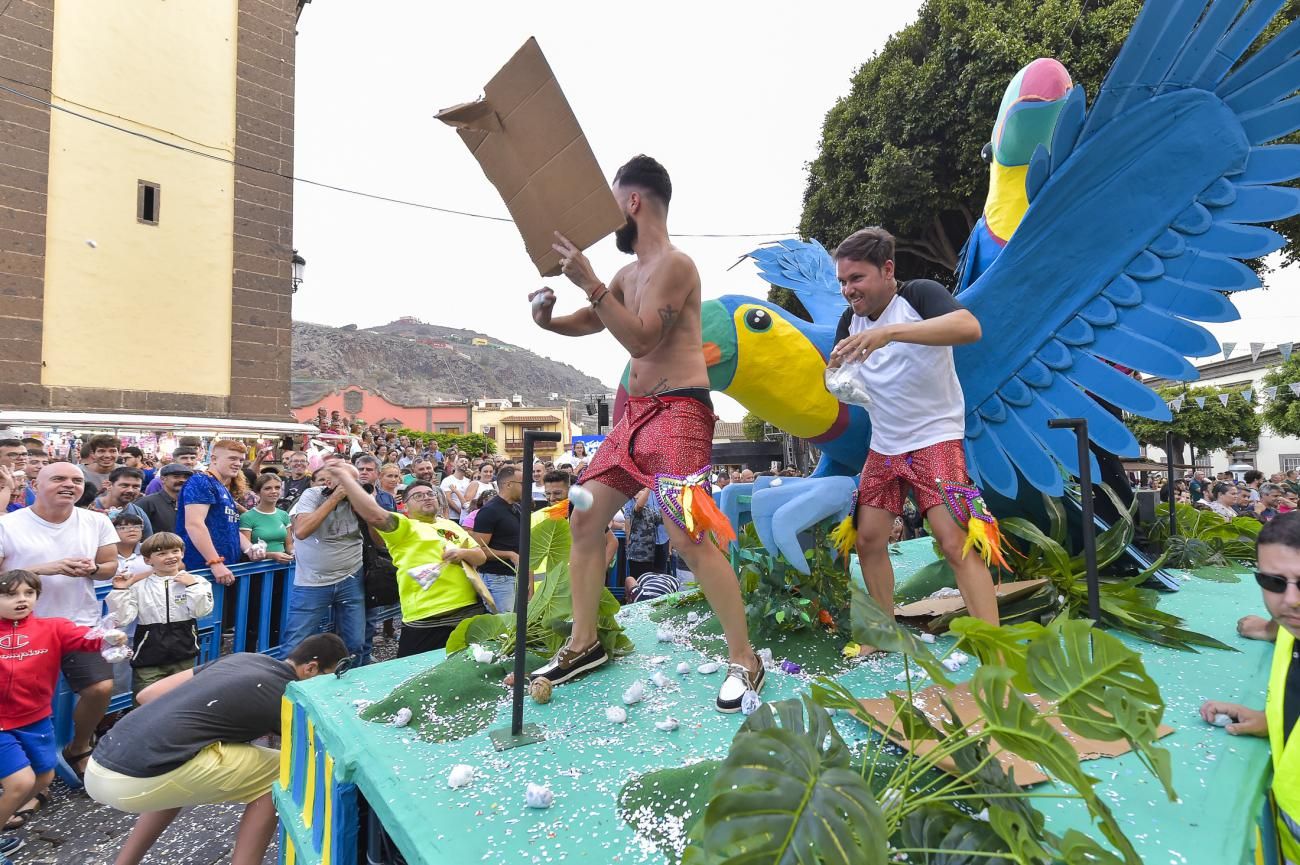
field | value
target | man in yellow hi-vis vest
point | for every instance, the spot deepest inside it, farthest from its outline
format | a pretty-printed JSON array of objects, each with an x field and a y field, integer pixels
[{"x": 1279, "y": 579}]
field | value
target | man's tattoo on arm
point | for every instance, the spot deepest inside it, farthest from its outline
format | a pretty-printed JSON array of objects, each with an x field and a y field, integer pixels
[{"x": 667, "y": 315}]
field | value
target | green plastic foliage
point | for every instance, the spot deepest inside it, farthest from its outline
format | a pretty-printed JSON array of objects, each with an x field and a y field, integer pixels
[
  {"x": 962, "y": 839},
  {"x": 872, "y": 626},
  {"x": 549, "y": 544},
  {"x": 1017, "y": 725},
  {"x": 786, "y": 795}
]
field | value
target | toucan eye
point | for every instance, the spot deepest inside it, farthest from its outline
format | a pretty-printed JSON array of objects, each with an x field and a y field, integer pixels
[
  {"x": 986, "y": 152},
  {"x": 758, "y": 320}
]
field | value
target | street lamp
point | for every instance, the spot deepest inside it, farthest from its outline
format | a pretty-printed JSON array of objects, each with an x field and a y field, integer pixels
[{"x": 299, "y": 269}]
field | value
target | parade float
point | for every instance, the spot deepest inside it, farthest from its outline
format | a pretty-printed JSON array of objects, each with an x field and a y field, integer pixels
[{"x": 1111, "y": 229}]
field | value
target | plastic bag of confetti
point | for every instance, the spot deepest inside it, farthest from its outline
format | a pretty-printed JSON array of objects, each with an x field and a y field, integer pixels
[
  {"x": 426, "y": 575},
  {"x": 845, "y": 384}
]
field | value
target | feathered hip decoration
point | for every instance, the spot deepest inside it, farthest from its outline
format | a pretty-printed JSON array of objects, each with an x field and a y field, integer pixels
[
  {"x": 558, "y": 510},
  {"x": 844, "y": 536},
  {"x": 687, "y": 502},
  {"x": 966, "y": 505}
]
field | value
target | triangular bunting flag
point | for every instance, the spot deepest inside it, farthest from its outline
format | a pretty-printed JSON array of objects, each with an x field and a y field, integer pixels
[
  {"x": 1200, "y": 402},
  {"x": 1247, "y": 394},
  {"x": 1295, "y": 388},
  {"x": 1284, "y": 349},
  {"x": 1255, "y": 349},
  {"x": 1223, "y": 398},
  {"x": 1271, "y": 392},
  {"x": 1227, "y": 349},
  {"x": 1178, "y": 404}
]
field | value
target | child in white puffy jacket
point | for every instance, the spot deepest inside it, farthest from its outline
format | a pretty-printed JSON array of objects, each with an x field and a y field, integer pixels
[{"x": 167, "y": 605}]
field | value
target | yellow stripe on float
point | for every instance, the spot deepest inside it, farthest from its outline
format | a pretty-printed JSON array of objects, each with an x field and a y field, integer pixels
[
  {"x": 289, "y": 853},
  {"x": 286, "y": 742},
  {"x": 326, "y": 848},
  {"x": 309, "y": 800}
]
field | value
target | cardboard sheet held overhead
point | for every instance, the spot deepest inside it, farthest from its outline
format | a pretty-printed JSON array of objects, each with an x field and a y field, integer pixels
[
  {"x": 1024, "y": 772},
  {"x": 528, "y": 141}
]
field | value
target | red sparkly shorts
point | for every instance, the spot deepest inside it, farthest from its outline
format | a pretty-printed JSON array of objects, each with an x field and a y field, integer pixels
[
  {"x": 886, "y": 479},
  {"x": 658, "y": 435}
]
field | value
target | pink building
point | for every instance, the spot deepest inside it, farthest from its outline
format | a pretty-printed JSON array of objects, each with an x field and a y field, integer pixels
[{"x": 355, "y": 402}]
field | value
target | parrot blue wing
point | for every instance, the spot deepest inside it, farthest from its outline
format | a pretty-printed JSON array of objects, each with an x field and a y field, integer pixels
[
  {"x": 1140, "y": 217},
  {"x": 807, "y": 270}
]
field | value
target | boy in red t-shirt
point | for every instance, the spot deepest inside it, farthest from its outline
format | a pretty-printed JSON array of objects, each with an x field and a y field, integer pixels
[{"x": 31, "y": 649}]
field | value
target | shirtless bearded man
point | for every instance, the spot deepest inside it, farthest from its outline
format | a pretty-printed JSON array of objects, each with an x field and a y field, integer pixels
[{"x": 664, "y": 441}]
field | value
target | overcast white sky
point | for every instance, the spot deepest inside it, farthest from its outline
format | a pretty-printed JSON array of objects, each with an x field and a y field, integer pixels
[{"x": 730, "y": 98}]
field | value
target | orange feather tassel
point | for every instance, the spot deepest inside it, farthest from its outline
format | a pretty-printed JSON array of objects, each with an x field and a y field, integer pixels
[{"x": 708, "y": 518}]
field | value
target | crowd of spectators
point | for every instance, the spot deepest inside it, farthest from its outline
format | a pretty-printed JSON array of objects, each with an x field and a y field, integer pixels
[
  {"x": 1230, "y": 497},
  {"x": 390, "y": 538}
]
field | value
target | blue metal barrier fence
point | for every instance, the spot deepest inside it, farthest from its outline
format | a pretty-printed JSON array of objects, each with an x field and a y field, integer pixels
[{"x": 254, "y": 593}]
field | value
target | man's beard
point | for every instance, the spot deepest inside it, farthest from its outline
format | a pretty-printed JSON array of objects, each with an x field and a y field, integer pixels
[{"x": 625, "y": 237}]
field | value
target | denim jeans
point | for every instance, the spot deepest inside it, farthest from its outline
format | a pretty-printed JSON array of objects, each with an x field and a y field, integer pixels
[
  {"x": 502, "y": 587},
  {"x": 309, "y": 606},
  {"x": 374, "y": 617}
]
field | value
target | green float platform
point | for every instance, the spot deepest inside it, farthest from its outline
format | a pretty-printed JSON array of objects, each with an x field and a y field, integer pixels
[{"x": 331, "y": 755}]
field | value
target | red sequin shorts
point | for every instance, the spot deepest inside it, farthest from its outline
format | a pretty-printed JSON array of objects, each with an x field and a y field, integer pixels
[
  {"x": 659, "y": 435},
  {"x": 886, "y": 479}
]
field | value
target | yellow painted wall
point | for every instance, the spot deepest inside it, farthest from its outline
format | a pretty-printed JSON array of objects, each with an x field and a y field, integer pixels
[
  {"x": 485, "y": 417},
  {"x": 168, "y": 68}
]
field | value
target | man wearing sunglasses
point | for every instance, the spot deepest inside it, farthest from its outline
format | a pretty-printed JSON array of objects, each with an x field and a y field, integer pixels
[{"x": 1279, "y": 582}]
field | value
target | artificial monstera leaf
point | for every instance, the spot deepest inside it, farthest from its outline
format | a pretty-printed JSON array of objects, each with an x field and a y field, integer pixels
[
  {"x": 872, "y": 626},
  {"x": 490, "y": 627},
  {"x": 1016, "y": 725},
  {"x": 801, "y": 716},
  {"x": 942, "y": 835},
  {"x": 786, "y": 795},
  {"x": 1077, "y": 848},
  {"x": 1005, "y": 646},
  {"x": 1073, "y": 665},
  {"x": 549, "y": 544}
]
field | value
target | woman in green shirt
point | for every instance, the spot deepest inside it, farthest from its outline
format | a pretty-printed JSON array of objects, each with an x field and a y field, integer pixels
[{"x": 266, "y": 523}]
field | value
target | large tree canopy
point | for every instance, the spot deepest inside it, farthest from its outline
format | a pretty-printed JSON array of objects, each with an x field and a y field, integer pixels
[
  {"x": 902, "y": 149},
  {"x": 1282, "y": 411},
  {"x": 1207, "y": 429}
]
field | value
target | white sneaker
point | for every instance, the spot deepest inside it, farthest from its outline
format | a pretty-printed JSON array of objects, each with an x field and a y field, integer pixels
[{"x": 739, "y": 681}]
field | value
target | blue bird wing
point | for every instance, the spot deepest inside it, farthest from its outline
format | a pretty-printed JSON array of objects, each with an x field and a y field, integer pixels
[
  {"x": 806, "y": 269},
  {"x": 1139, "y": 220}
]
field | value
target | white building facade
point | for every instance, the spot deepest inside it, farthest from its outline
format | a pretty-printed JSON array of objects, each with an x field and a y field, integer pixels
[{"x": 1272, "y": 453}]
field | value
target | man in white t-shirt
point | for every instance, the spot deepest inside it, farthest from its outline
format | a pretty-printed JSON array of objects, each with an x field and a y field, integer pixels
[
  {"x": 900, "y": 337},
  {"x": 69, "y": 548},
  {"x": 454, "y": 487}
]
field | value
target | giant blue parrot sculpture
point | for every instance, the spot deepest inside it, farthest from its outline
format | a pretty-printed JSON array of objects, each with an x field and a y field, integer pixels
[{"x": 1140, "y": 212}]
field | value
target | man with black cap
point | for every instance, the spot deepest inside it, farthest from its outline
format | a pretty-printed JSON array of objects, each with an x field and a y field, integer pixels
[{"x": 161, "y": 506}]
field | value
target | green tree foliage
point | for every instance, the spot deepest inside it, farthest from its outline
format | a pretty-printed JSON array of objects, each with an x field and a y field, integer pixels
[
  {"x": 753, "y": 427},
  {"x": 1206, "y": 429},
  {"x": 902, "y": 149},
  {"x": 1282, "y": 411},
  {"x": 470, "y": 444}
]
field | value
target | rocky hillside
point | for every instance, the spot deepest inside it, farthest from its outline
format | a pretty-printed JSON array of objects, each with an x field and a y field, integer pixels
[{"x": 448, "y": 363}]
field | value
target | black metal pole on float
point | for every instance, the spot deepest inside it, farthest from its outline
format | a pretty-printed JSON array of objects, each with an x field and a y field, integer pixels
[
  {"x": 517, "y": 734},
  {"x": 1169, "y": 458},
  {"x": 1080, "y": 427}
]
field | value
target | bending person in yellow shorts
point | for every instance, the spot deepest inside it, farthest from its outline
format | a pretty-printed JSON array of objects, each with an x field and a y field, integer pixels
[{"x": 154, "y": 764}]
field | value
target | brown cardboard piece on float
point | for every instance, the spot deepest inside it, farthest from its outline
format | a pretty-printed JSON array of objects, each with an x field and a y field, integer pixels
[
  {"x": 930, "y": 608},
  {"x": 527, "y": 140},
  {"x": 1022, "y": 771}
]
